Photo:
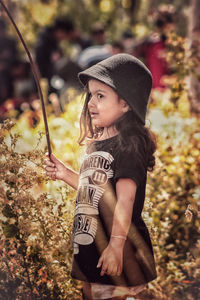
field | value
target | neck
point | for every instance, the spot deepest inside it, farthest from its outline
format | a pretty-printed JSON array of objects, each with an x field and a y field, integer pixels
[{"x": 108, "y": 132}]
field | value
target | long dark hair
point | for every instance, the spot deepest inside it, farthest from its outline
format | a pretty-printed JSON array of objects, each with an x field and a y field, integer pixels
[{"x": 133, "y": 136}]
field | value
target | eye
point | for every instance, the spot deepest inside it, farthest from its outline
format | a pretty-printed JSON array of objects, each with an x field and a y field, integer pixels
[{"x": 99, "y": 96}]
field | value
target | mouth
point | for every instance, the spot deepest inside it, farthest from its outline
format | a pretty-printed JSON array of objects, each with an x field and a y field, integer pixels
[{"x": 93, "y": 114}]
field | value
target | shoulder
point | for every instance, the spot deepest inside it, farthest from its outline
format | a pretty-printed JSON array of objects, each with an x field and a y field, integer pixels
[
  {"x": 134, "y": 147},
  {"x": 130, "y": 165}
]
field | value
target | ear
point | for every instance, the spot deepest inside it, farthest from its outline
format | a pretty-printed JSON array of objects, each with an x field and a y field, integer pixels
[{"x": 125, "y": 106}]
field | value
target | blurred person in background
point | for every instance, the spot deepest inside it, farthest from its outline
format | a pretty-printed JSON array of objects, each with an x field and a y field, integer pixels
[
  {"x": 117, "y": 47},
  {"x": 98, "y": 34},
  {"x": 17, "y": 85},
  {"x": 99, "y": 49},
  {"x": 48, "y": 50},
  {"x": 153, "y": 50},
  {"x": 24, "y": 90},
  {"x": 8, "y": 54},
  {"x": 94, "y": 54},
  {"x": 128, "y": 41},
  {"x": 50, "y": 58}
]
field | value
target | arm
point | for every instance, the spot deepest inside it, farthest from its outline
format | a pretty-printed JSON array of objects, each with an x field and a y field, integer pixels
[
  {"x": 111, "y": 260},
  {"x": 57, "y": 170}
]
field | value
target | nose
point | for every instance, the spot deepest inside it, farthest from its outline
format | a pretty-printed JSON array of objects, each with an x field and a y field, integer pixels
[{"x": 91, "y": 102}]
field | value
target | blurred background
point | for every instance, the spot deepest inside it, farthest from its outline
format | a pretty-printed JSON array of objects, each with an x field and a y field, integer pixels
[{"x": 65, "y": 37}]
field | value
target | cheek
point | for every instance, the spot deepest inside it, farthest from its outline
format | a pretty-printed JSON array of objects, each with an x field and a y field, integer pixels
[{"x": 104, "y": 106}]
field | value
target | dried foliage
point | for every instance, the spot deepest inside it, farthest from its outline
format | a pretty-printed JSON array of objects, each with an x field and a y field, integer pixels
[
  {"x": 35, "y": 227},
  {"x": 174, "y": 193}
]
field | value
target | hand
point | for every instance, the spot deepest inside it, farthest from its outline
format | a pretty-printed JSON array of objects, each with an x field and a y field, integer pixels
[
  {"x": 54, "y": 168},
  {"x": 111, "y": 260}
]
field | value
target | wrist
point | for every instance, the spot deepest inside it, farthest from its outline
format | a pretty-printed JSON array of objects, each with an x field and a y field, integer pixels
[
  {"x": 65, "y": 176},
  {"x": 117, "y": 240},
  {"x": 70, "y": 177},
  {"x": 120, "y": 237}
]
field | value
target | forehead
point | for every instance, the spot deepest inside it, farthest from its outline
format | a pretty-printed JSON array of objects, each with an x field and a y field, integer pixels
[{"x": 94, "y": 85}]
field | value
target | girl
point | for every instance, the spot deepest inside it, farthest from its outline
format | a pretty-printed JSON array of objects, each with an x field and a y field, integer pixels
[{"x": 113, "y": 255}]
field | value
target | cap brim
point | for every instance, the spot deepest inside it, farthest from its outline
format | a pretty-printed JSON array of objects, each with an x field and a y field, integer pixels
[{"x": 95, "y": 72}]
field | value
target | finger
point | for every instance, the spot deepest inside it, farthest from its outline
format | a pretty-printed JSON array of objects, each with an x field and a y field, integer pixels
[
  {"x": 52, "y": 158},
  {"x": 47, "y": 162},
  {"x": 104, "y": 268},
  {"x": 109, "y": 268},
  {"x": 51, "y": 174},
  {"x": 50, "y": 169},
  {"x": 54, "y": 178},
  {"x": 100, "y": 262},
  {"x": 119, "y": 270},
  {"x": 109, "y": 271},
  {"x": 113, "y": 271}
]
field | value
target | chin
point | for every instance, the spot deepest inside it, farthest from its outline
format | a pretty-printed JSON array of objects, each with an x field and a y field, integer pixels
[{"x": 96, "y": 124}]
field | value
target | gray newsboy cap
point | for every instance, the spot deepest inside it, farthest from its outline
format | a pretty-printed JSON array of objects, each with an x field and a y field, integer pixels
[{"x": 129, "y": 78}]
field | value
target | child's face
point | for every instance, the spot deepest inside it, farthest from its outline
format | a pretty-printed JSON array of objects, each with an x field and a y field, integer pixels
[{"x": 105, "y": 106}]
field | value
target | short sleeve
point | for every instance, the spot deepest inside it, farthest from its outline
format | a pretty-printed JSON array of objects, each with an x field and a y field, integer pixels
[{"x": 130, "y": 166}]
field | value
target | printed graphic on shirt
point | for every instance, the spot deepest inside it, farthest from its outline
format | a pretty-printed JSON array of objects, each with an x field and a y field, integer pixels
[
  {"x": 85, "y": 228},
  {"x": 94, "y": 174}
]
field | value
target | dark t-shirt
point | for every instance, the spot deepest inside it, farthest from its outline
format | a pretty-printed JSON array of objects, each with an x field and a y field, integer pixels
[{"x": 96, "y": 198}]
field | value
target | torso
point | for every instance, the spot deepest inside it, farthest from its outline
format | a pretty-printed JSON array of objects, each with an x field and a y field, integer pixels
[{"x": 95, "y": 203}]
